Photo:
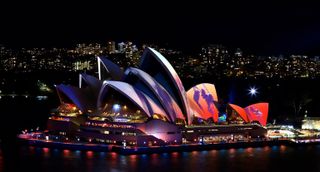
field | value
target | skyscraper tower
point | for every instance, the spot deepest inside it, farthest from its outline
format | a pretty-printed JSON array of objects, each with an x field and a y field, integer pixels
[{"x": 111, "y": 47}]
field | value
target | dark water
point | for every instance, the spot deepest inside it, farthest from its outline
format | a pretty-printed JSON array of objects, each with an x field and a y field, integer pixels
[{"x": 277, "y": 158}]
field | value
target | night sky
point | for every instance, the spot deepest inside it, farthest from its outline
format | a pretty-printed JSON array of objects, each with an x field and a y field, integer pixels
[{"x": 262, "y": 28}]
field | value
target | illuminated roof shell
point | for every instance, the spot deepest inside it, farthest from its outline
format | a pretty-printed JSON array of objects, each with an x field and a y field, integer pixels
[
  {"x": 113, "y": 69},
  {"x": 241, "y": 111},
  {"x": 167, "y": 102},
  {"x": 91, "y": 81},
  {"x": 202, "y": 98},
  {"x": 178, "y": 92},
  {"x": 258, "y": 112},
  {"x": 76, "y": 95},
  {"x": 137, "y": 97}
]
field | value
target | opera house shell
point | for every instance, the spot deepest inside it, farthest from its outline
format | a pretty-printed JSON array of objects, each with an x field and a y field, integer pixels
[{"x": 151, "y": 98}]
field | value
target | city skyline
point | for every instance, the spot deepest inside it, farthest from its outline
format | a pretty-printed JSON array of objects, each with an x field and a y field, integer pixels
[{"x": 213, "y": 60}]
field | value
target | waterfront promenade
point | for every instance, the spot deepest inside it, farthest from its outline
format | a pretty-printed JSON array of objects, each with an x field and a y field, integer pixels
[{"x": 30, "y": 139}]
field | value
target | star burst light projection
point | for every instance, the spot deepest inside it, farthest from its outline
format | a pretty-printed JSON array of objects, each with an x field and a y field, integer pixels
[{"x": 253, "y": 91}]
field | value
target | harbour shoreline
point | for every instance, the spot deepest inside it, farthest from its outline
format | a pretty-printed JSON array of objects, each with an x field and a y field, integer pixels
[{"x": 128, "y": 150}]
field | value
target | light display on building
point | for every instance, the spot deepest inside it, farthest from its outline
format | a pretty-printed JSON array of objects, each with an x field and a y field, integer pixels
[{"x": 149, "y": 101}]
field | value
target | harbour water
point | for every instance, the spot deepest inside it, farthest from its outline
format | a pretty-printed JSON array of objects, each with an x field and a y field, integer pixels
[{"x": 275, "y": 158}]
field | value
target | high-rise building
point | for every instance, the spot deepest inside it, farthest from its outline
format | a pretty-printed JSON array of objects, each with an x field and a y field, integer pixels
[
  {"x": 111, "y": 47},
  {"x": 121, "y": 47}
]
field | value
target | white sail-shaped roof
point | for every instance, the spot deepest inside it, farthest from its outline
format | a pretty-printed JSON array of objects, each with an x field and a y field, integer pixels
[
  {"x": 160, "y": 69},
  {"x": 167, "y": 102},
  {"x": 137, "y": 97},
  {"x": 114, "y": 70},
  {"x": 91, "y": 81},
  {"x": 76, "y": 95}
]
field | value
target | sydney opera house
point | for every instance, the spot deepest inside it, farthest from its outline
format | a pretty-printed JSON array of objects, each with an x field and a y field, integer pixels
[{"x": 149, "y": 106}]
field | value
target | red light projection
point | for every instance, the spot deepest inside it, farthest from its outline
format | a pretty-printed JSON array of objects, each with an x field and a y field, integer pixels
[
  {"x": 258, "y": 112},
  {"x": 255, "y": 112},
  {"x": 241, "y": 111}
]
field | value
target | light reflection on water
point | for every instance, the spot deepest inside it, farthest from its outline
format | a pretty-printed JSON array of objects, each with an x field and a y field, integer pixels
[
  {"x": 282, "y": 148},
  {"x": 245, "y": 159},
  {"x": 266, "y": 149}
]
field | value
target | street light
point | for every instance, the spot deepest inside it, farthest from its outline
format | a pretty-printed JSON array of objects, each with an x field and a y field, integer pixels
[{"x": 124, "y": 144}]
